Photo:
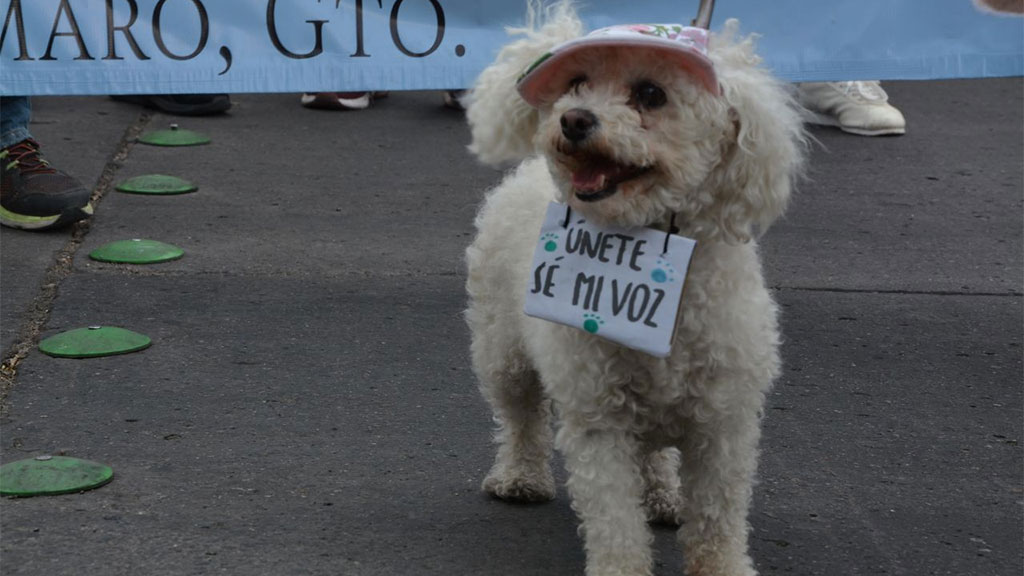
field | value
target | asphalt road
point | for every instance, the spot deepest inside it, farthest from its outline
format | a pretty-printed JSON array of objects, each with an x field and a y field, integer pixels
[{"x": 307, "y": 406}]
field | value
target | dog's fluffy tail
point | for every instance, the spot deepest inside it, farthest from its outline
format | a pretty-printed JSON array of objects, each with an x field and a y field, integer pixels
[{"x": 502, "y": 123}]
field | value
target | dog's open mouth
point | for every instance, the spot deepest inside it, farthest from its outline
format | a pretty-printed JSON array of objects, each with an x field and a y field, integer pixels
[{"x": 595, "y": 177}]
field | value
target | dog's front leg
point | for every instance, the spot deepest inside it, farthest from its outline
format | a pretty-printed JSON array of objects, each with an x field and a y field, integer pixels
[
  {"x": 719, "y": 461},
  {"x": 607, "y": 490},
  {"x": 521, "y": 470}
]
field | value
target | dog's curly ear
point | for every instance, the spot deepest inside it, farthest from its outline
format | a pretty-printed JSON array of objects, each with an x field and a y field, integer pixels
[
  {"x": 502, "y": 123},
  {"x": 767, "y": 155}
]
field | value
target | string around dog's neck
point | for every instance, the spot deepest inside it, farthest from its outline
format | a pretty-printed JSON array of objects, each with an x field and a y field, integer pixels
[{"x": 669, "y": 230}]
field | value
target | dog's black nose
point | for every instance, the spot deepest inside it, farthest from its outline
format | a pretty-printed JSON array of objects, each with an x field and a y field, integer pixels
[{"x": 578, "y": 123}]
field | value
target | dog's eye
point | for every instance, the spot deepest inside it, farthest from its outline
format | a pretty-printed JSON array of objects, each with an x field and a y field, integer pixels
[
  {"x": 648, "y": 95},
  {"x": 576, "y": 82}
]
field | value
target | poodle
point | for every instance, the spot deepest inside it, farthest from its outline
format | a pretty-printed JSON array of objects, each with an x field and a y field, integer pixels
[{"x": 631, "y": 134}]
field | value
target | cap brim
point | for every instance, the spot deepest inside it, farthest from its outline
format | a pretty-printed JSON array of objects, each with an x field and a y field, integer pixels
[{"x": 549, "y": 78}]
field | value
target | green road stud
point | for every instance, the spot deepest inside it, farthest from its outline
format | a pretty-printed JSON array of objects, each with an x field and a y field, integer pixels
[
  {"x": 136, "y": 251},
  {"x": 174, "y": 137},
  {"x": 156, "y": 184},
  {"x": 94, "y": 342},
  {"x": 51, "y": 475}
]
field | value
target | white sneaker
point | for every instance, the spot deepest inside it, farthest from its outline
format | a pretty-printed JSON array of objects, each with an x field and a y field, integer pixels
[
  {"x": 857, "y": 107},
  {"x": 453, "y": 99},
  {"x": 337, "y": 100}
]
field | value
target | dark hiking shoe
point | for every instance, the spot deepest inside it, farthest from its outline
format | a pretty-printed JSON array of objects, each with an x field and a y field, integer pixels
[{"x": 36, "y": 196}]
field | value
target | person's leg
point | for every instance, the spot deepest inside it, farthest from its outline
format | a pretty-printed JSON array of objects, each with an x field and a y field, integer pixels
[
  {"x": 15, "y": 113},
  {"x": 33, "y": 194}
]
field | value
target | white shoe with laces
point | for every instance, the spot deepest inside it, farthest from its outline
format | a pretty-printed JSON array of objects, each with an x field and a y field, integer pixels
[
  {"x": 337, "y": 100},
  {"x": 857, "y": 107}
]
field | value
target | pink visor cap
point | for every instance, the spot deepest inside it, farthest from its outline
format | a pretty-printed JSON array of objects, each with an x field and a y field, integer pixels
[{"x": 548, "y": 78}]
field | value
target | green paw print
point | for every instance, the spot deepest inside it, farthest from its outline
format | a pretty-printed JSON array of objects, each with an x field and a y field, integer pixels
[
  {"x": 550, "y": 241},
  {"x": 592, "y": 323},
  {"x": 665, "y": 272}
]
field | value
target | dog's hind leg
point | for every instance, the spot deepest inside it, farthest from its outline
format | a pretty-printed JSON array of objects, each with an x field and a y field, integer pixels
[
  {"x": 522, "y": 469},
  {"x": 663, "y": 498}
]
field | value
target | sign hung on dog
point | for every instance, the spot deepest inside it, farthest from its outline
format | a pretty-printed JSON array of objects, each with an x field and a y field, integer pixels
[{"x": 624, "y": 285}]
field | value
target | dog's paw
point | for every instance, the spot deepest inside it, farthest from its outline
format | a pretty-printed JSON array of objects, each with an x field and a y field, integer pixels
[
  {"x": 616, "y": 572},
  {"x": 715, "y": 555},
  {"x": 520, "y": 488},
  {"x": 664, "y": 507},
  {"x": 742, "y": 570}
]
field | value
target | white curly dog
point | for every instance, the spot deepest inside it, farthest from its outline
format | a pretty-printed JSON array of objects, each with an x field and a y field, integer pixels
[{"x": 628, "y": 135}]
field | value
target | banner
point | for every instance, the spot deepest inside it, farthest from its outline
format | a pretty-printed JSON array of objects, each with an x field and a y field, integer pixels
[{"x": 236, "y": 46}]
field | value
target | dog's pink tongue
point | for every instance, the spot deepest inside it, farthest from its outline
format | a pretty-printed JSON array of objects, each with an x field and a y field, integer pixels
[{"x": 590, "y": 178}]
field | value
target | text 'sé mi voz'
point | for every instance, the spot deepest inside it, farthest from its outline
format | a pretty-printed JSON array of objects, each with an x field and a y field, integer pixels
[{"x": 636, "y": 301}]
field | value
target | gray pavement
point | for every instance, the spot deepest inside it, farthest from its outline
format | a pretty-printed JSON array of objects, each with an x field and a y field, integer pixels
[{"x": 308, "y": 408}]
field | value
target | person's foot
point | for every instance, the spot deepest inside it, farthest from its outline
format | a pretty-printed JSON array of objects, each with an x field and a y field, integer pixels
[
  {"x": 35, "y": 195},
  {"x": 340, "y": 100},
  {"x": 453, "y": 99},
  {"x": 182, "y": 104},
  {"x": 857, "y": 107}
]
